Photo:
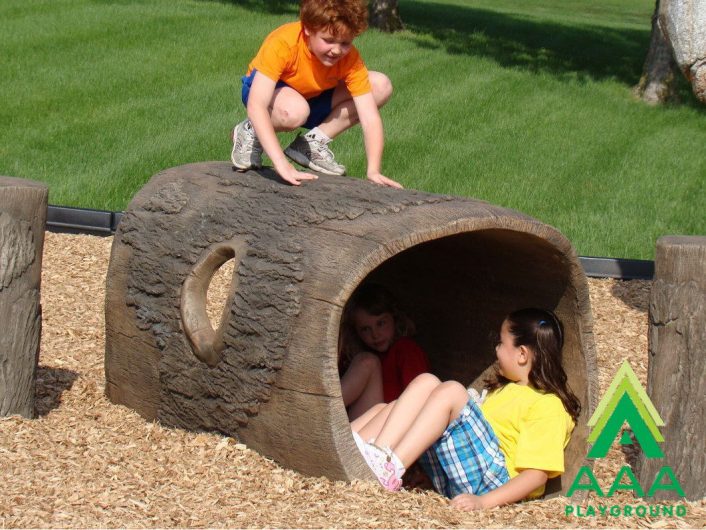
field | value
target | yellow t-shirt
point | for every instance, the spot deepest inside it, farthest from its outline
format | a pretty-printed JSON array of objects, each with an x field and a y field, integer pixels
[
  {"x": 533, "y": 429},
  {"x": 285, "y": 56}
]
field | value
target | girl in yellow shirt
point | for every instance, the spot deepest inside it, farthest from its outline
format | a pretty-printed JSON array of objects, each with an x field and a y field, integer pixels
[{"x": 482, "y": 454}]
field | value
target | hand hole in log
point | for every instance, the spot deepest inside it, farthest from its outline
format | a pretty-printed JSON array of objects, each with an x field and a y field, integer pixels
[
  {"x": 204, "y": 309},
  {"x": 218, "y": 294}
]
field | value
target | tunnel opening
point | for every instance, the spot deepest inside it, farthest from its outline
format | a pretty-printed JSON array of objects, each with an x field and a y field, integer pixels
[{"x": 457, "y": 289}]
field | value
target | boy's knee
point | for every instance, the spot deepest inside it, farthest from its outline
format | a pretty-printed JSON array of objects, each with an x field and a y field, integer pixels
[
  {"x": 293, "y": 116},
  {"x": 381, "y": 87}
]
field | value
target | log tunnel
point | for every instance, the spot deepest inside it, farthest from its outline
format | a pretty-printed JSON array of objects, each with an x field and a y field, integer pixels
[{"x": 268, "y": 375}]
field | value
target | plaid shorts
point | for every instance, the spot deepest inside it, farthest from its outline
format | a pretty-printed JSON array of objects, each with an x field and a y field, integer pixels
[{"x": 467, "y": 457}]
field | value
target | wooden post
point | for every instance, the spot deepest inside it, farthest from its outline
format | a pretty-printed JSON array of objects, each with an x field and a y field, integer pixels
[
  {"x": 676, "y": 375},
  {"x": 23, "y": 214}
]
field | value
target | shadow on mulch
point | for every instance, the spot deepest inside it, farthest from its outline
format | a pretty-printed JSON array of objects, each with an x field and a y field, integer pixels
[
  {"x": 272, "y": 7},
  {"x": 633, "y": 293},
  {"x": 51, "y": 383}
]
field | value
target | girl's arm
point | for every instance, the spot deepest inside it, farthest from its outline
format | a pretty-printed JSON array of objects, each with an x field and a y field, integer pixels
[{"x": 514, "y": 490}]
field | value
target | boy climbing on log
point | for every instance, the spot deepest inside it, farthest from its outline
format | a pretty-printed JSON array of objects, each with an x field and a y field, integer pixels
[{"x": 308, "y": 74}]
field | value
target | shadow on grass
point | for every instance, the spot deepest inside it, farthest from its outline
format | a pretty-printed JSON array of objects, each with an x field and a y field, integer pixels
[
  {"x": 51, "y": 383},
  {"x": 539, "y": 46},
  {"x": 571, "y": 52},
  {"x": 511, "y": 41},
  {"x": 272, "y": 7}
]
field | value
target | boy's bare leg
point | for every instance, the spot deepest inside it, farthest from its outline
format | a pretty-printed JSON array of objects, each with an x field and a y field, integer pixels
[
  {"x": 408, "y": 439},
  {"x": 344, "y": 115},
  {"x": 288, "y": 109},
  {"x": 361, "y": 385}
]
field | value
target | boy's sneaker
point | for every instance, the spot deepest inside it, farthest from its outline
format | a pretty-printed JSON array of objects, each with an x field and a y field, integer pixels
[
  {"x": 313, "y": 152},
  {"x": 247, "y": 151}
]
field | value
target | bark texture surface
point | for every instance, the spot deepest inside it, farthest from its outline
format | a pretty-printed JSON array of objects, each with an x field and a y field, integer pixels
[
  {"x": 268, "y": 374},
  {"x": 684, "y": 25},
  {"x": 659, "y": 73},
  {"x": 23, "y": 210},
  {"x": 384, "y": 15},
  {"x": 676, "y": 375}
]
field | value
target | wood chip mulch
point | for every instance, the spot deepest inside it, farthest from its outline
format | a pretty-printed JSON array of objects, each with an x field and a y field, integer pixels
[{"x": 85, "y": 462}]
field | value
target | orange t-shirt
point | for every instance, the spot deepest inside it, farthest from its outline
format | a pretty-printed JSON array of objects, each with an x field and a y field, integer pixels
[{"x": 285, "y": 56}]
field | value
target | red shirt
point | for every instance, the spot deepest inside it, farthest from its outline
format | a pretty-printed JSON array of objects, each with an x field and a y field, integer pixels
[{"x": 404, "y": 361}]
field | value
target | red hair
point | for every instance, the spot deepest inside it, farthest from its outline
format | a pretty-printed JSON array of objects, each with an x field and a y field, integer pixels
[{"x": 337, "y": 16}]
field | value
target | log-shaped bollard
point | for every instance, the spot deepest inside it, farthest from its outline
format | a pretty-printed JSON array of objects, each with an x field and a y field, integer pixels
[
  {"x": 269, "y": 373},
  {"x": 23, "y": 214},
  {"x": 676, "y": 371}
]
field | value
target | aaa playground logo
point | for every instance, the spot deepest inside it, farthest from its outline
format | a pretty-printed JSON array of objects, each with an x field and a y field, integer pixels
[{"x": 625, "y": 401}]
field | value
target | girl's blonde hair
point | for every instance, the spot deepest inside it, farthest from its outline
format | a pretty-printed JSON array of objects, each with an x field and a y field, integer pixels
[{"x": 375, "y": 300}]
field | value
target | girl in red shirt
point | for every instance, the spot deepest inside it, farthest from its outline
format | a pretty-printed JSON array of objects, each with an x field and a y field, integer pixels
[{"x": 377, "y": 359}]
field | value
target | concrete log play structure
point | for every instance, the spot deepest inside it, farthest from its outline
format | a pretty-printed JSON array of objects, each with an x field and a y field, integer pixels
[
  {"x": 268, "y": 375},
  {"x": 676, "y": 371},
  {"x": 23, "y": 213}
]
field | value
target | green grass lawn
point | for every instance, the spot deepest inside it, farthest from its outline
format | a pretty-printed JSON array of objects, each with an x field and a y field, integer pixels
[{"x": 523, "y": 104}]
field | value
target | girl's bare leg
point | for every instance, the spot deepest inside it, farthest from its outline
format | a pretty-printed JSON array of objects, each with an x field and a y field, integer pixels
[
  {"x": 369, "y": 424},
  {"x": 361, "y": 421},
  {"x": 361, "y": 385},
  {"x": 409, "y": 439},
  {"x": 405, "y": 410}
]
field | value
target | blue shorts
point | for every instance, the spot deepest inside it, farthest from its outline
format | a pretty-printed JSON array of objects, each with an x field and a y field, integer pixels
[
  {"x": 467, "y": 457},
  {"x": 319, "y": 106}
]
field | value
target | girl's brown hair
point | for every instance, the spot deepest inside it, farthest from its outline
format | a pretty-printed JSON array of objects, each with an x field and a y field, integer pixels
[
  {"x": 340, "y": 17},
  {"x": 375, "y": 300},
  {"x": 542, "y": 332}
]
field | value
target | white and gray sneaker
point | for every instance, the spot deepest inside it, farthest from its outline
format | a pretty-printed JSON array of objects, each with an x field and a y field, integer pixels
[
  {"x": 313, "y": 152},
  {"x": 247, "y": 151}
]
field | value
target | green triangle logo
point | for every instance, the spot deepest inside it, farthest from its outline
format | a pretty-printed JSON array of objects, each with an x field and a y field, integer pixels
[{"x": 625, "y": 401}]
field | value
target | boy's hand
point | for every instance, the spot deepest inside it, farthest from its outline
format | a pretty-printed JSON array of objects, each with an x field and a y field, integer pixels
[
  {"x": 379, "y": 178},
  {"x": 294, "y": 177},
  {"x": 467, "y": 502}
]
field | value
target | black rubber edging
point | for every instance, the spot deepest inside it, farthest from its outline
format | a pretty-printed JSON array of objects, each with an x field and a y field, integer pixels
[
  {"x": 69, "y": 220},
  {"x": 623, "y": 269}
]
